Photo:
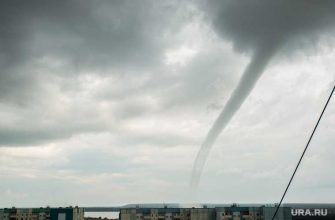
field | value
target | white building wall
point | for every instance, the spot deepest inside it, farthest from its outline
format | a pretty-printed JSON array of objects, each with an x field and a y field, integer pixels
[
  {"x": 154, "y": 214},
  {"x": 128, "y": 214}
]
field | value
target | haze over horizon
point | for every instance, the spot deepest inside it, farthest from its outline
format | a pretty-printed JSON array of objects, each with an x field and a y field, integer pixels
[{"x": 108, "y": 102}]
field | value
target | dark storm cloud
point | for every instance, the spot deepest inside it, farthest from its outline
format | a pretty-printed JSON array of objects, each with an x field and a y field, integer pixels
[
  {"x": 90, "y": 32},
  {"x": 46, "y": 45},
  {"x": 261, "y": 28},
  {"x": 18, "y": 20},
  {"x": 87, "y": 35},
  {"x": 250, "y": 24}
]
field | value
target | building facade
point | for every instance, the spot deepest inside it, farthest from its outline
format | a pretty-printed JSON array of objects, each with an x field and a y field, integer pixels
[
  {"x": 217, "y": 213},
  {"x": 69, "y": 213}
]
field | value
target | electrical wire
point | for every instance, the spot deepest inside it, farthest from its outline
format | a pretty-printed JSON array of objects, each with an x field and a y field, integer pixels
[{"x": 303, "y": 153}]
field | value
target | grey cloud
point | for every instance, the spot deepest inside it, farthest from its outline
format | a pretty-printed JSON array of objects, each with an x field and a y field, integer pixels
[
  {"x": 209, "y": 77},
  {"x": 46, "y": 45},
  {"x": 98, "y": 36},
  {"x": 75, "y": 29},
  {"x": 162, "y": 140},
  {"x": 95, "y": 160},
  {"x": 33, "y": 132},
  {"x": 250, "y": 24}
]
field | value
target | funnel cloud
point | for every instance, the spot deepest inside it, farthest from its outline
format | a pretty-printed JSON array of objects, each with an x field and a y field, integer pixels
[
  {"x": 245, "y": 85},
  {"x": 260, "y": 28}
]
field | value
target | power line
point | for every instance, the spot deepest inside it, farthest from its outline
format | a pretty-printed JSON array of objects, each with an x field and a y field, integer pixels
[{"x": 303, "y": 153}]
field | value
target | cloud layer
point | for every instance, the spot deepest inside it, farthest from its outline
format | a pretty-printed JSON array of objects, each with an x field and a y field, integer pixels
[{"x": 106, "y": 96}]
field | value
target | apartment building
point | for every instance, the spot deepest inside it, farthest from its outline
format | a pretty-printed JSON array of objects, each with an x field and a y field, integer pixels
[
  {"x": 68, "y": 213},
  {"x": 217, "y": 213}
]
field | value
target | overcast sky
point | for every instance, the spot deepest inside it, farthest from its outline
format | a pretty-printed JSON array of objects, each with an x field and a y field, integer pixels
[{"x": 108, "y": 102}]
